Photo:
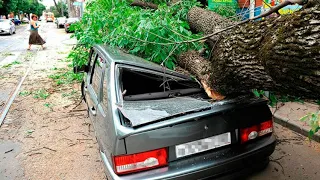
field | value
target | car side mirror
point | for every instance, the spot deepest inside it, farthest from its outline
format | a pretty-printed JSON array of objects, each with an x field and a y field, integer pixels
[{"x": 80, "y": 69}]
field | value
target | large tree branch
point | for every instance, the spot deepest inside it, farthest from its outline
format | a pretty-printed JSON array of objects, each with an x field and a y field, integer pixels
[
  {"x": 144, "y": 4},
  {"x": 204, "y": 38},
  {"x": 280, "y": 54}
]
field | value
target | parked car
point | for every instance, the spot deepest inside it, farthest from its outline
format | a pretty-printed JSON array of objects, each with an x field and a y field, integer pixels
[
  {"x": 49, "y": 19},
  {"x": 16, "y": 21},
  {"x": 7, "y": 27},
  {"x": 154, "y": 123},
  {"x": 60, "y": 22},
  {"x": 25, "y": 20},
  {"x": 69, "y": 22}
]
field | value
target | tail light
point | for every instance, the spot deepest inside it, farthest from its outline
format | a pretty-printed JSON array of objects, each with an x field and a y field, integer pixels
[
  {"x": 140, "y": 161},
  {"x": 255, "y": 131},
  {"x": 67, "y": 24}
]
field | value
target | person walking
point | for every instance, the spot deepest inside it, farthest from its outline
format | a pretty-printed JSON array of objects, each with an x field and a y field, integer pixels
[{"x": 34, "y": 37}]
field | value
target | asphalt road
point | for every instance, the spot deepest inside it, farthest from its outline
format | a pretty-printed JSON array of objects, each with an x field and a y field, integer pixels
[{"x": 15, "y": 43}]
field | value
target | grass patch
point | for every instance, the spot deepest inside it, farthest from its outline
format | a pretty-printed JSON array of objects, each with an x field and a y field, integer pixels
[
  {"x": 28, "y": 56},
  {"x": 11, "y": 64},
  {"x": 24, "y": 93},
  {"x": 41, "y": 94},
  {"x": 73, "y": 92},
  {"x": 66, "y": 77}
]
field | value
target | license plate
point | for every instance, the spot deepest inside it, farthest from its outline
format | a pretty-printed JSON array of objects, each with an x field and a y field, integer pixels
[{"x": 203, "y": 145}]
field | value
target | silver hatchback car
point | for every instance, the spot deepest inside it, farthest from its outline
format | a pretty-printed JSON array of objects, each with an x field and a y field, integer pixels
[{"x": 154, "y": 123}]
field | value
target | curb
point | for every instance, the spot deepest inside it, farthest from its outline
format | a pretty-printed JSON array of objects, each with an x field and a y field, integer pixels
[{"x": 301, "y": 130}]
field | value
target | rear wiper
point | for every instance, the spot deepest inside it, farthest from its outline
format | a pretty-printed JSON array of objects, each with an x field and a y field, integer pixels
[{"x": 159, "y": 95}]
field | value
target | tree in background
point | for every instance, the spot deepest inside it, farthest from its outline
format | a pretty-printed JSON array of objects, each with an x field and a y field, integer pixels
[
  {"x": 58, "y": 9},
  {"x": 24, "y": 6}
]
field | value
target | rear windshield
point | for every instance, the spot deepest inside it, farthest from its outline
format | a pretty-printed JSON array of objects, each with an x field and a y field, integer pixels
[{"x": 142, "y": 85}]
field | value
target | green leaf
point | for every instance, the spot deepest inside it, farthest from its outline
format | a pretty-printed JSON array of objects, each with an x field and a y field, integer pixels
[
  {"x": 311, "y": 133},
  {"x": 256, "y": 93},
  {"x": 304, "y": 118}
]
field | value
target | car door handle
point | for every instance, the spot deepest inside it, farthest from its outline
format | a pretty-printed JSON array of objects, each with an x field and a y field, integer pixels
[{"x": 93, "y": 111}]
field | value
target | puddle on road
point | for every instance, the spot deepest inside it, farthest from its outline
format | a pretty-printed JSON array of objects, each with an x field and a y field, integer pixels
[{"x": 9, "y": 165}]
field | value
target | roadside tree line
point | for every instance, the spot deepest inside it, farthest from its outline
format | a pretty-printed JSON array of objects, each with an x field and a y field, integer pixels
[{"x": 21, "y": 6}]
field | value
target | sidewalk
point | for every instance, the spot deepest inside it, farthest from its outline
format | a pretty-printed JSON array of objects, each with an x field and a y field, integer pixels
[{"x": 288, "y": 114}]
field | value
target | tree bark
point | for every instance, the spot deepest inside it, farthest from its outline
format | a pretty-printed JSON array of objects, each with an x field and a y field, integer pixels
[
  {"x": 144, "y": 4},
  {"x": 279, "y": 54},
  {"x": 58, "y": 9}
]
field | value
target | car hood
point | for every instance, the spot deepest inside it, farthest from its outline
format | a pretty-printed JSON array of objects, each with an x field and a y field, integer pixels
[
  {"x": 146, "y": 111},
  {"x": 4, "y": 25}
]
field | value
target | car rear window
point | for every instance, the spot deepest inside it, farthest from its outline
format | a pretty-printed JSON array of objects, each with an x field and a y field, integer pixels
[{"x": 143, "y": 85}]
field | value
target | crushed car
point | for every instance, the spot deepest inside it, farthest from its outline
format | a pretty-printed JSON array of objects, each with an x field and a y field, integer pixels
[{"x": 154, "y": 123}]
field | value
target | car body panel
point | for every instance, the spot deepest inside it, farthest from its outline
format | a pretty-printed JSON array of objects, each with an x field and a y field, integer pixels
[
  {"x": 198, "y": 128},
  {"x": 221, "y": 164},
  {"x": 7, "y": 27},
  {"x": 109, "y": 111}
]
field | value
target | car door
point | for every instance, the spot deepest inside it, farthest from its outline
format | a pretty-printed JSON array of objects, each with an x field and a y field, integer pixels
[
  {"x": 102, "y": 123},
  {"x": 93, "y": 85}
]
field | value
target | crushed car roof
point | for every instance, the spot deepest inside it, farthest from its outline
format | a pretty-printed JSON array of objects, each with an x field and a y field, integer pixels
[{"x": 115, "y": 55}]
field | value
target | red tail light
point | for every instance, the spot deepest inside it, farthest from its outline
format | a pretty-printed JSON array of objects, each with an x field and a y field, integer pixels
[
  {"x": 67, "y": 24},
  {"x": 140, "y": 161},
  {"x": 253, "y": 132}
]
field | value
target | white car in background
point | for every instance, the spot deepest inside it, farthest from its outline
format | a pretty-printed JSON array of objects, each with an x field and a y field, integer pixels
[
  {"x": 60, "y": 22},
  {"x": 7, "y": 27},
  {"x": 25, "y": 20}
]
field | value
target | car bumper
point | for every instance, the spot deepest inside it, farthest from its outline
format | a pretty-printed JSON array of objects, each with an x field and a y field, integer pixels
[{"x": 227, "y": 166}]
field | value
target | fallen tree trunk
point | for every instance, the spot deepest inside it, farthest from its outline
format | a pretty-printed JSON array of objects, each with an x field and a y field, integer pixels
[
  {"x": 278, "y": 54},
  {"x": 144, "y": 4}
]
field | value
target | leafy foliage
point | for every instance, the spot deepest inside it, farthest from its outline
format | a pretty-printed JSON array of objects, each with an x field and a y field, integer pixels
[
  {"x": 25, "y": 6},
  {"x": 79, "y": 55},
  {"x": 41, "y": 94},
  {"x": 133, "y": 29},
  {"x": 314, "y": 121},
  {"x": 66, "y": 77}
]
